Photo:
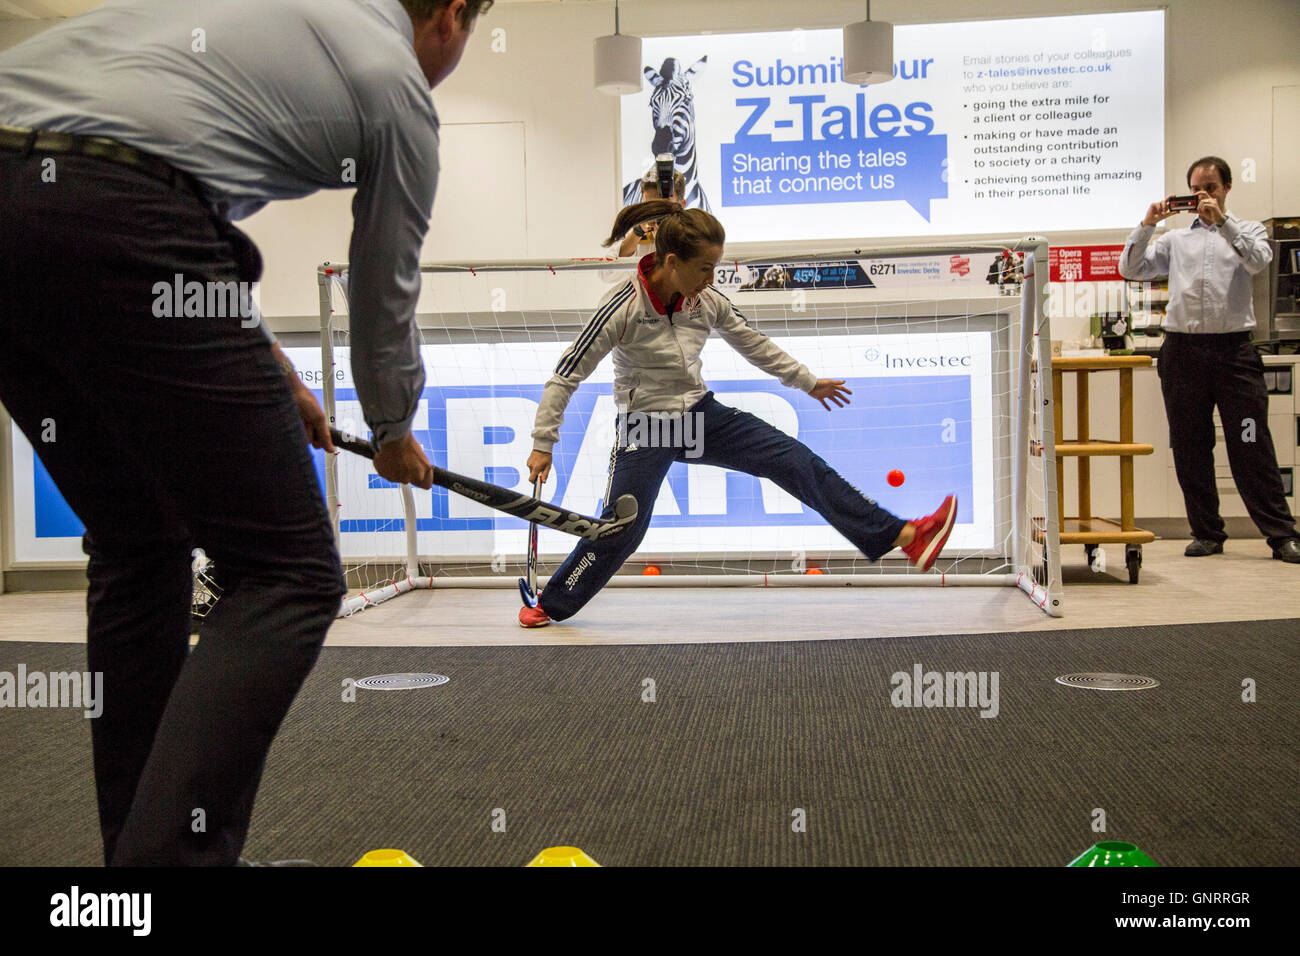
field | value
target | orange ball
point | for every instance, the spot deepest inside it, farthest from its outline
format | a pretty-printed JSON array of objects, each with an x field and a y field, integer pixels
[
  {"x": 813, "y": 571},
  {"x": 650, "y": 569},
  {"x": 895, "y": 477}
]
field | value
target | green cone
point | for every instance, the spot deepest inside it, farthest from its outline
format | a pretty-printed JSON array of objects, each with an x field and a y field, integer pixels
[{"x": 1113, "y": 854}]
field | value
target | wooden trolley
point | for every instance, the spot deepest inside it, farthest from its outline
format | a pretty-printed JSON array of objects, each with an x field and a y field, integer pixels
[{"x": 1086, "y": 529}]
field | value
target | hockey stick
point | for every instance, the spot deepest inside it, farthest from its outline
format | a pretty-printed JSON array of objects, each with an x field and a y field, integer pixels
[
  {"x": 528, "y": 583},
  {"x": 521, "y": 506}
]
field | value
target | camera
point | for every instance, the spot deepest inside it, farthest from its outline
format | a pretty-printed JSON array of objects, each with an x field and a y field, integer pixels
[
  {"x": 1183, "y": 203},
  {"x": 664, "y": 171}
]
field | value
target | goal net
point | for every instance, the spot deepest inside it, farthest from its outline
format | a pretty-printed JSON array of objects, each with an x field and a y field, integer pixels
[{"x": 945, "y": 348}]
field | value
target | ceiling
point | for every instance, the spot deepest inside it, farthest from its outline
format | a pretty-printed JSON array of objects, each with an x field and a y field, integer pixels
[{"x": 40, "y": 9}]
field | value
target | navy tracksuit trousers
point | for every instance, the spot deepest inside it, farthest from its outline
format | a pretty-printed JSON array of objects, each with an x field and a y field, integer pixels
[{"x": 729, "y": 438}]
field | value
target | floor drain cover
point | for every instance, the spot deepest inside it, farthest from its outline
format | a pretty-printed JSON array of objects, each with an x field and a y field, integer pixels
[
  {"x": 1108, "y": 681},
  {"x": 402, "y": 681}
]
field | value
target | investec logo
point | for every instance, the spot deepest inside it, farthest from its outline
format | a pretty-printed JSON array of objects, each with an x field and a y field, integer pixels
[
  {"x": 918, "y": 362},
  {"x": 587, "y": 561}
]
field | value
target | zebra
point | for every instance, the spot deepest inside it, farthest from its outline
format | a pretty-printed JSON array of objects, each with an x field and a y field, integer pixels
[{"x": 672, "y": 112}]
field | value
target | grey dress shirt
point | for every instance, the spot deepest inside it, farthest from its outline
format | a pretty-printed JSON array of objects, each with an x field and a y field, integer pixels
[{"x": 263, "y": 100}]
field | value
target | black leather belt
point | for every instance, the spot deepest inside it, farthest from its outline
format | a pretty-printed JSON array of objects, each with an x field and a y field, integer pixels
[
  {"x": 26, "y": 141},
  {"x": 1211, "y": 338}
]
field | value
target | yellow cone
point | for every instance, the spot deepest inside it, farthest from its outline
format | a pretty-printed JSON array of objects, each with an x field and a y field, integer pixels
[
  {"x": 562, "y": 856},
  {"x": 386, "y": 858}
]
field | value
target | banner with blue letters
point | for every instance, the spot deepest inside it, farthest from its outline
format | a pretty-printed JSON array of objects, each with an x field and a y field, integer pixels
[
  {"x": 1003, "y": 126},
  {"x": 922, "y": 405}
]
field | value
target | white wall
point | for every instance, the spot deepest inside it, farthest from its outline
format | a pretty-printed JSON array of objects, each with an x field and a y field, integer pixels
[
  {"x": 530, "y": 147},
  {"x": 1225, "y": 58},
  {"x": 13, "y": 32},
  {"x": 543, "y": 83}
]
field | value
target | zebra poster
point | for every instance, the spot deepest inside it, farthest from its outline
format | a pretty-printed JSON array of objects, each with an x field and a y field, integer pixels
[{"x": 1006, "y": 126}]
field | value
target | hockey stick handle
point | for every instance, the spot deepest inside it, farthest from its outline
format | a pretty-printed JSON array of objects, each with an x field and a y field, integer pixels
[
  {"x": 532, "y": 541},
  {"x": 351, "y": 443},
  {"x": 528, "y": 583},
  {"x": 512, "y": 503}
]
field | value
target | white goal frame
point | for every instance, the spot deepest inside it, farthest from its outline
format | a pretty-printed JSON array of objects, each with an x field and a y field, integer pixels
[{"x": 1030, "y": 373}]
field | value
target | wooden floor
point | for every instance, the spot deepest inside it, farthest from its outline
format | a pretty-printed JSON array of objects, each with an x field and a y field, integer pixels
[{"x": 1244, "y": 584}]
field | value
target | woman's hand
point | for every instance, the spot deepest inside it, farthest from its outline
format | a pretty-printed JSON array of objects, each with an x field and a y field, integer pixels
[
  {"x": 539, "y": 465},
  {"x": 832, "y": 388}
]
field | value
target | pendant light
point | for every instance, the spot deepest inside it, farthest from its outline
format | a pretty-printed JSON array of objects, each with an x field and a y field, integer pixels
[
  {"x": 618, "y": 62},
  {"x": 868, "y": 51}
]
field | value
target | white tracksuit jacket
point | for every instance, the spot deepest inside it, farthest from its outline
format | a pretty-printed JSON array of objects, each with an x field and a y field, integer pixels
[{"x": 656, "y": 357}]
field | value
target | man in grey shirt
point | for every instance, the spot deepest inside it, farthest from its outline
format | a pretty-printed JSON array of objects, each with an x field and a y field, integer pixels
[
  {"x": 1207, "y": 358},
  {"x": 130, "y": 137}
]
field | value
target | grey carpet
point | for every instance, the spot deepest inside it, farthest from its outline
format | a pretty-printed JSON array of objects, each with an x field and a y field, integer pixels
[{"x": 740, "y": 736}]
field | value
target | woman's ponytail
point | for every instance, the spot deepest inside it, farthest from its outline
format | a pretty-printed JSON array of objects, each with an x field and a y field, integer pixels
[
  {"x": 630, "y": 216},
  {"x": 683, "y": 232}
]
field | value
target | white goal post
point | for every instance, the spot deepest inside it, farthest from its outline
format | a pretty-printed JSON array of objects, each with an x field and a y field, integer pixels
[{"x": 957, "y": 386}]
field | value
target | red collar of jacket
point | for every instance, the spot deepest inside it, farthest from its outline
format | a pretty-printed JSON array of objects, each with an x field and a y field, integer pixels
[{"x": 643, "y": 271}]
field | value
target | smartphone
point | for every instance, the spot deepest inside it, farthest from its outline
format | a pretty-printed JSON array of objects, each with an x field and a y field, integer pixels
[{"x": 1183, "y": 203}]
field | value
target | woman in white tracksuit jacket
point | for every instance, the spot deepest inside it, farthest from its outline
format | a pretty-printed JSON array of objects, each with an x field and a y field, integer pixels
[{"x": 656, "y": 325}]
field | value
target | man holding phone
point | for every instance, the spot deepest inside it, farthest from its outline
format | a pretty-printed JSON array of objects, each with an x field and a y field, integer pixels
[{"x": 1207, "y": 358}]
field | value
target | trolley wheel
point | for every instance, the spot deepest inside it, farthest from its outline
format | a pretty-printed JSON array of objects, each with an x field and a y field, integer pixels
[
  {"x": 1091, "y": 551},
  {"x": 1133, "y": 558}
]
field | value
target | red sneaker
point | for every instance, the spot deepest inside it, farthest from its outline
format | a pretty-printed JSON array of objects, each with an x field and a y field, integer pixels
[
  {"x": 533, "y": 617},
  {"x": 932, "y": 534}
]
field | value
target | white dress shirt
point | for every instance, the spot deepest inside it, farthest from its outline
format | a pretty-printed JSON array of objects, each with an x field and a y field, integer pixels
[{"x": 1209, "y": 269}]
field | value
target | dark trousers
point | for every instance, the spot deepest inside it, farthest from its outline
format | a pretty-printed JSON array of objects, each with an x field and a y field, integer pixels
[
  {"x": 1198, "y": 372},
  {"x": 729, "y": 438},
  {"x": 164, "y": 434}
]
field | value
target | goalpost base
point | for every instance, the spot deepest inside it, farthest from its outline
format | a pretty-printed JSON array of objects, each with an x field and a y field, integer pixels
[
  {"x": 1037, "y": 593},
  {"x": 771, "y": 581},
  {"x": 376, "y": 596},
  {"x": 364, "y": 599}
]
